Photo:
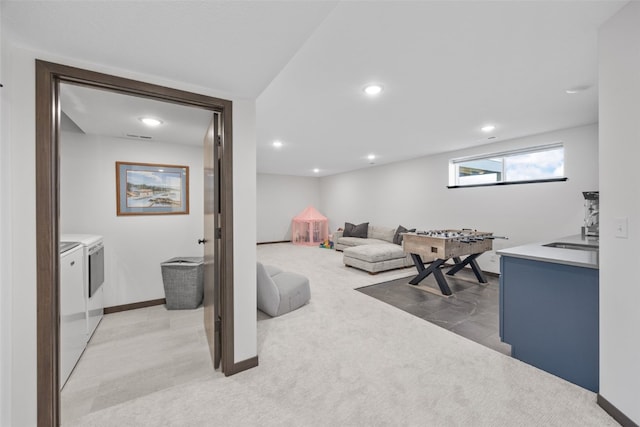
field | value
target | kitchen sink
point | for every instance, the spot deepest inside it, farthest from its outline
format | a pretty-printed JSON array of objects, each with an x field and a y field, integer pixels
[{"x": 574, "y": 246}]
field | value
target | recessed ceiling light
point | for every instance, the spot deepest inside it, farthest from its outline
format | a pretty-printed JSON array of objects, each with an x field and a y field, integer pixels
[
  {"x": 371, "y": 157},
  {"x": 373, "y": 89},
  {"x": 316, "y": 170},
  {"x": 277, "y": 144},
  {"x": 488, "y": 128},
  {"x": 577, "y": 89},
  {"x": 150, "y": 121}
]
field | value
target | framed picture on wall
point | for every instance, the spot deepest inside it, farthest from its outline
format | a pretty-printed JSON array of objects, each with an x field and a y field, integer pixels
[{"x": 152, "y": 189}]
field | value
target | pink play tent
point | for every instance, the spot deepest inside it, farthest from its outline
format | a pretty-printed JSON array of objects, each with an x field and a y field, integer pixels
[{"x": 310, "y": 227}]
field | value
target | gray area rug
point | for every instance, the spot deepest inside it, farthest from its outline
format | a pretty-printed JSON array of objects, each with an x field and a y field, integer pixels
[{"x": 472, "y": 311}]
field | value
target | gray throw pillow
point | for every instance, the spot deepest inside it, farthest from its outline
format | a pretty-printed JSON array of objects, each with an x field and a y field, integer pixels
[
  {"x": 360, "y": 230},
  {"x": 348, "y": 228},
  {"x": 397, "y": 238}
]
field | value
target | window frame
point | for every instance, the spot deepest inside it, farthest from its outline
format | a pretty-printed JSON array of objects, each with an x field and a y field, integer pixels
[{"x": 453, "y": 169}]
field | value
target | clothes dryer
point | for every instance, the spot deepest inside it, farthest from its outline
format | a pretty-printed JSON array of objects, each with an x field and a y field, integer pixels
[{"x": 93, "y": 262}]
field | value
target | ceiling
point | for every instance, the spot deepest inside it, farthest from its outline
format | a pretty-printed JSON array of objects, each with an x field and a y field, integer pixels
[
  {"x": 447, "y": 68},
  {"x": 230, "y": 46},
  {"x": 103, "y": 112}
]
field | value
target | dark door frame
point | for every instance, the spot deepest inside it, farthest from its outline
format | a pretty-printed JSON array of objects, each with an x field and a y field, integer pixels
[{"x": 48, "y": 78}]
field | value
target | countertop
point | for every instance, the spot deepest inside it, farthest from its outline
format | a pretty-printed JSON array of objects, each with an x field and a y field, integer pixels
[{"x": 575, "y": 257}]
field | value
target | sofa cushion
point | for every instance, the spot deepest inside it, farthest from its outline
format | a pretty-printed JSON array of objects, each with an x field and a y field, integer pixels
[
  {"x": 397, "y": 238},
  {"x": 376, "y": 267},
  {"x": 357, "y": 241},
  {"x": 381, "y": 233},
  {"x": 360, "y": 230},
  {"x": 375, "y": 253}
]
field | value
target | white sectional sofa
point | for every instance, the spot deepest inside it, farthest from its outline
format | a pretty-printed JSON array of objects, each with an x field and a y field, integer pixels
[{"x": 375, "y": 253}]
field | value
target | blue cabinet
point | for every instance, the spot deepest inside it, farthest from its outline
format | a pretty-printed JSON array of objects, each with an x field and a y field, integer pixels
[{"x": 549, "y": 316}]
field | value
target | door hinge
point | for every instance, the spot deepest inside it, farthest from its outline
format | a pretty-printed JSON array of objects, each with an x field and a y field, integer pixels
[
  {"x": 218, "y": 325},
  {"x": 218, "y": 140},
  {"x": 218, "y": 233}
]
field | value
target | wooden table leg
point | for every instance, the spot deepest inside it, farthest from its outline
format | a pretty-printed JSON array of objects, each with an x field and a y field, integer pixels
[
  {"x": 434, "y": 268},
  {"x": 476, "y": 269},
  {"x": 442, "y": 281},
  {"x": 470, "y": 260},
  {"x": 417, "y": 260},
  {"x": 422, "y": 272}
]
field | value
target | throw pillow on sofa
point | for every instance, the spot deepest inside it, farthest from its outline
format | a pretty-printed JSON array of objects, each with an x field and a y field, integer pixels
[
  {"x": 397, "y": 238},
  {"x": 352, "y": 230}
]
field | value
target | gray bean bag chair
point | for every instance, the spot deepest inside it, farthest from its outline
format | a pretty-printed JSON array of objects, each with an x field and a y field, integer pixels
[{"x": 280, "y": 292}]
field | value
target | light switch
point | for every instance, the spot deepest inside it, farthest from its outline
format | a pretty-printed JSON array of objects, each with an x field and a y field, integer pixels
[{"x": 621, "y": 227}]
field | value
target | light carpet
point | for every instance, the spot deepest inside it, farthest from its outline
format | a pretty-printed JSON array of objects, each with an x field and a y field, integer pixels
[{"x": 351, "y": 360}]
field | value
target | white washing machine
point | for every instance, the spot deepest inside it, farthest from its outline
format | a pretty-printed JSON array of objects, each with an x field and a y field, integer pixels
[
  {"x": 73, "y": 315},
  {"x": 93, "y": 261}
]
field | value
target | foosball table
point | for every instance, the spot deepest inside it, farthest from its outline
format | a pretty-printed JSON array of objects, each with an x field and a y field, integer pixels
[{"x": 438, "y": 246}]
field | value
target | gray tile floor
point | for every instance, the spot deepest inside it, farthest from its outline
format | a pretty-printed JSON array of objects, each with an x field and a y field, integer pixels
[{"x": 472, "y": 310}]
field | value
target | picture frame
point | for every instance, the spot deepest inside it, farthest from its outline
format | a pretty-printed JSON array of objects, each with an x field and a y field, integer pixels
[{"x": 151, "y": 189}]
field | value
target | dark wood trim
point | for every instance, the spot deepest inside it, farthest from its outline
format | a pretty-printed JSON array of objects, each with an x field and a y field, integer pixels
[
  {"x": 493, "y": 184},
  {"x": 48, "y": 258},
  {"x": 48, "y": 77},
  {"x": 243, "y": 366},
  {"x": 73, "y": 75},
  {"x": 615, "y": 413},
  {"x": 134, "y": 305},
  {"x": 211, "y": 302},
  {"x": 269, "y": 243},
  {"x": 226, "y": 257}
]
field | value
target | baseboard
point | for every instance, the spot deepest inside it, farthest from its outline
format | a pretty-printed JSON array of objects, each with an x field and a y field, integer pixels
[
  {"x": 242, "y": 366},
  {"x": 615, "y": 413},
  {"x": 134, "y": 305},
  {"x": 277, "y": 241}
]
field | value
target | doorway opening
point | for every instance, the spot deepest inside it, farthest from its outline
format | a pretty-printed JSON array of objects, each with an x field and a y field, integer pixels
[{"x": 49, "y": 76}]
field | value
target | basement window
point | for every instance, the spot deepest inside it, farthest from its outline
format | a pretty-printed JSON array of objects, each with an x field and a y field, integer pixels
[{"x": 523, "y": 166}]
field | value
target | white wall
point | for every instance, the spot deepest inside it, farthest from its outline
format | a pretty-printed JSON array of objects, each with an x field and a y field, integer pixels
[
  {"x": 244, "y": 230},
  {"x": 5, "y": 253},
  {"x": 279, "y": 199},
  {"x": 619, "y": 85},
  {"x": 134, "y": 245},
  {"x": 18, "y": 202},
  {"x": 414, "y": 193}
]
